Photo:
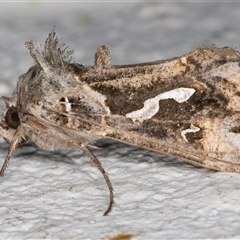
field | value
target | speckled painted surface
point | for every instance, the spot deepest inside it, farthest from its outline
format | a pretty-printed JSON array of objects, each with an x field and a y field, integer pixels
[{"x": 47, "y": 195}]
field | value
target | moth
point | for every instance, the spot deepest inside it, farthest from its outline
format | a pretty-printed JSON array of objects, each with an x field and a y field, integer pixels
[{"x": 187, "y": 106}]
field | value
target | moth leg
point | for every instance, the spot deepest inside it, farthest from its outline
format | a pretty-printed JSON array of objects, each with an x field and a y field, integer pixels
[
  {"x": 16, "y": 140},
  {"x": 105, "y": 175},
  {"x": 7, "y": 134}
]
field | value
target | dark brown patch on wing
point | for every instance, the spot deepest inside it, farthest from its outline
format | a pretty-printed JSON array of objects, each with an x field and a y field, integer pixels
[
  {"x": 235, "y": 129},
  {"x": 151, "y": 129},
  {"x": 193, "y": 137}
]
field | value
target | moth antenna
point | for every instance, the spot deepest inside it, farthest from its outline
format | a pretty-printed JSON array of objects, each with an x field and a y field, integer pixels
[
  {"x": 105, "y": 175},
  {"x": 55, "y": 52},
  {"x": 37, "y": 56},
  {"x": 53, "y": 55}
]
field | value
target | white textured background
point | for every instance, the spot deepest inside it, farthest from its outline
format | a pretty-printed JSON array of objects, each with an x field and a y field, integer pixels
[{"x": 48, "y": 195}]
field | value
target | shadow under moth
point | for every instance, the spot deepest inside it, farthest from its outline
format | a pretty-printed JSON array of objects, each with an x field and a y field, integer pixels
[{"x": 187, "y": 107}]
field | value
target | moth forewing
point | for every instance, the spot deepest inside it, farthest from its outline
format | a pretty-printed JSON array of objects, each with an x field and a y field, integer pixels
[{"x": 186, "y": 107}]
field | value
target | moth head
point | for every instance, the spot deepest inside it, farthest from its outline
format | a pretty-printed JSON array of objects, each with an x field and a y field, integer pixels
[
  {"x": 46, "y": 77},
  {"x": 10, "y": 121},
  {"x": 12, "y": 118}
]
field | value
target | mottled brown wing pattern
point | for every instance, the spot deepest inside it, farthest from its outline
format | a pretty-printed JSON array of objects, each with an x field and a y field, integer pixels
[{"x": 186, "y": 106}]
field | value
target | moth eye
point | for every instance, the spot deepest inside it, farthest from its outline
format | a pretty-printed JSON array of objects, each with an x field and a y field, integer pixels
[{"x": 12, "y": 118}]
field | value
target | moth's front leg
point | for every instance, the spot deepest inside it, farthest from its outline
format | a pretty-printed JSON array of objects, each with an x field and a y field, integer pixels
[
  {"x": 6, "y": 133},
  {"x": 15, "y": 137}
]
